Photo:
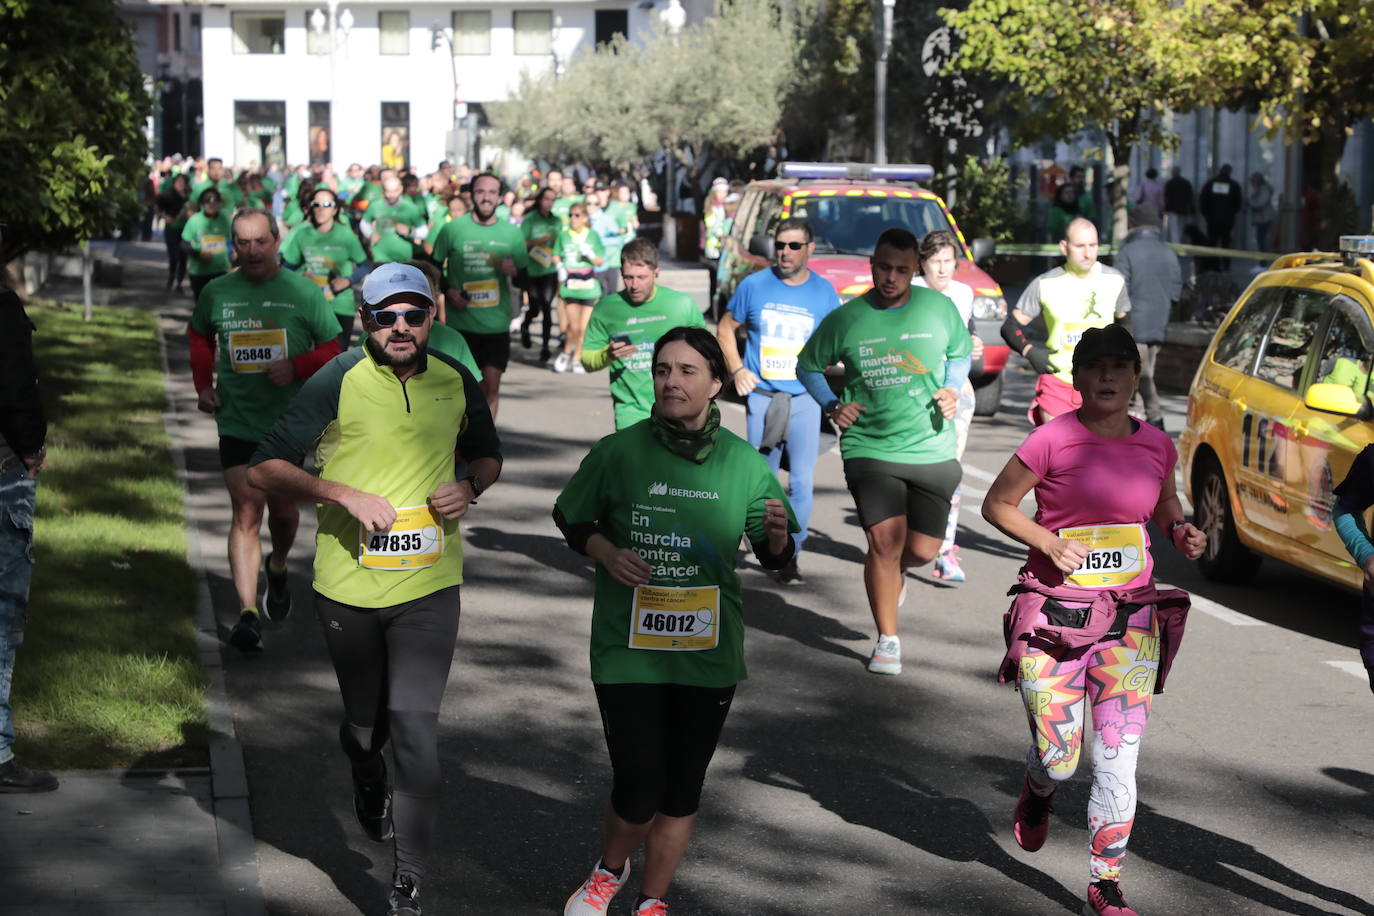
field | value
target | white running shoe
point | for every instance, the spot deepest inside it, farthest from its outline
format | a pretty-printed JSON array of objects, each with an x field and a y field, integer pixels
[
  {"x": 652, "y": 907},
  {"x": 578, "y": 368},
  {"x": 560, "y": 362},
  {"x": 887, "y": 656},
  {"x": 592, "y": 898}
]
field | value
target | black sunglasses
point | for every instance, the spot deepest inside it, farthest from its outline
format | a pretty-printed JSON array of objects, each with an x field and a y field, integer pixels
[
  {"x": 795, "y": 246},
  {"x": 385, "y": 318},
  {"x": 326, "y": 204}
]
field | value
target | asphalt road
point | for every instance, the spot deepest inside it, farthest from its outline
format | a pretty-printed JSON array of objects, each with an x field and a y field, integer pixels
[{"x": 833, "y": 791}]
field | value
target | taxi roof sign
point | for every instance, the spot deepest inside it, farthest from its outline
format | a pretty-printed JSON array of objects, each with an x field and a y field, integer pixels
[
  {"x": 857, "y": 171},
  {"x": 1357, "y": 244}
]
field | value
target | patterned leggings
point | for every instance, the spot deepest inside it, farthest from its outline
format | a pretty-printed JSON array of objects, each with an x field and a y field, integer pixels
[{"x": 1116, "y": 678}]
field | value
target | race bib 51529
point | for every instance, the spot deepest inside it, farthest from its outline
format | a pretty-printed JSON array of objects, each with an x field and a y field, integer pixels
[{"x": 1116, "y": 555}]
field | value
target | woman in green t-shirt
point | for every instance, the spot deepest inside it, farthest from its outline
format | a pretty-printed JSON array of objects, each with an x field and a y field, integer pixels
[
  {"x": 661, "y": 506},
  {"x": 327, "y": 252},
  {"x": 578, "y": 252},
  {"x": 206, "y": 237}
]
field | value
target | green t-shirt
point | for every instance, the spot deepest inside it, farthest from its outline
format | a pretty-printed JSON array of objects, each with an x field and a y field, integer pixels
[
  {"x": 444, "y": 339},
  {"x": 349, "y": 187},
  {"x": 576, "y": 251},
  {"x": 471, "y": 255},
  {"x": 541, "y": 256},
  {"x": 204, "y": 234},
  {"x": 685, "y": 520},
  {"x": 322, "y": 257},
  {"x": 253, "y": 324},
  {"x": 625, "y": 215},
  {"x": 228, "y": 191},
  {"x": 562, "y": 205},
  {"x": 894, "y": 362},
  {"x": 385, "y": 217},
  {"x": 632, "y": 379}
]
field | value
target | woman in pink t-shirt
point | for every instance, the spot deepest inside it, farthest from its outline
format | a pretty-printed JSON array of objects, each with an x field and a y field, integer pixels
[{"x": 1087, "y": 626}]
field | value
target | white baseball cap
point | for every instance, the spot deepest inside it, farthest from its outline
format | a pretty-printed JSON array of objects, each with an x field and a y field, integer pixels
[{"x": 392, "y": 279}]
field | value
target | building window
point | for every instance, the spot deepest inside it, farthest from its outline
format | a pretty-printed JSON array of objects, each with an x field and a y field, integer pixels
[
  {"x": 472, "y": 32},
  {"x": 319, "y": 133},
  {"x": 195, "y": 33},
  {"x": 610, "y": 23},
  {"x": 259, "y": 133},
  {"x": 315, "y": 42},
  {"x": 395, "y": 135},
  {"x": 176, "y": 30},
  {"x": 395, "y": 31},
  {"x": 259, "y": 33},
  {"x": 533, "y": 32}
]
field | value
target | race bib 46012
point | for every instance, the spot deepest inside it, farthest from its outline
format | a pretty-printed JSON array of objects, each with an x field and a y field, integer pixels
[
  {"x": 675, "y": 619},
  {"x": 1116, "y": 555}
]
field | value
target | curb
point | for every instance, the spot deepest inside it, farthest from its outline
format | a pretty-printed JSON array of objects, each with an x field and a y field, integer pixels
[{"x": 238, "y": 862}]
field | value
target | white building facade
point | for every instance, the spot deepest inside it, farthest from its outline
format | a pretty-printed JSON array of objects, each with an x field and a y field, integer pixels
[{"x": 375, "y": 82}]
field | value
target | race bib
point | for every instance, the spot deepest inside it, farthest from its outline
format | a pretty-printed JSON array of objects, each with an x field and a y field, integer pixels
[
  {"x": 482, "y": 294},
  {"x": 323, "y": 284},
  {"x": 541, "y": 255},
  {"x": 579, "y": 284},
  {"x": 414, "y": 541},
  {"x": 783, "y": 336},
  {"x": 212, "y": 244},
  {"x": 673, "y": 619},
  {"x": 1073, "y": 332},
  {"x": 251, "y": 351},
  {"x": 1116, "y": 555}
]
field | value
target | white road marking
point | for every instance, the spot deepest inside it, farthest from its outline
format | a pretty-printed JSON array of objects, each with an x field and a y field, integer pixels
[
  {"x": 1221, "y": 612},
  {"x": 972, "y": 471},
  {"x": 1353, "y": 668}
]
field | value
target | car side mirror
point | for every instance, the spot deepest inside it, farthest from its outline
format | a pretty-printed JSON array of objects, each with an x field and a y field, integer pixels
[
  {"x": 761, "y": 247},
  {"x": 983, "y": 249},
  {"x": 1332, "y": 398}
]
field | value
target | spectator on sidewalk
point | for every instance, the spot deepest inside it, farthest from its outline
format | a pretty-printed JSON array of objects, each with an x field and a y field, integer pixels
[
  {"x": 1260, "y": 203},
  {"x": 1220, "y": 202},
  {"x": 1179, "y": 205},
  {"x": 22, "y": 431},
  {"x": 1151, "y": 190},
  {"x": 172, "y": 206},
  {"x": 1154, "y": 282},
  {"x": 1087, "y": 207},
  {"x": 1063, "y": 210}
]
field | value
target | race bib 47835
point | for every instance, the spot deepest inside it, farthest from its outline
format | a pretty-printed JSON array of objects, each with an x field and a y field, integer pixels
[
  {"x": 1116, "y": 555},
  {"x": 675, "y": 619},
  {"x": 414, "y": 541},
  {"x": 251, "y": 351}
]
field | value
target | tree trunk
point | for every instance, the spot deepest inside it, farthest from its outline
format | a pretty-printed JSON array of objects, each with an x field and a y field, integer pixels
[
  {"x": 1335, "y": 216},
  {"x": 1118, "y": 189}
]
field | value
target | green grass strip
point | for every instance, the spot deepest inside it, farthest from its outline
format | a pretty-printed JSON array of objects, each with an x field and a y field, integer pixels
[{"x": 107, "y": 675}]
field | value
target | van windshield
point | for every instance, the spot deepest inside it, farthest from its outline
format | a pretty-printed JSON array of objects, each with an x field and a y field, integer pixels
[{"x": 850, "y": 225}]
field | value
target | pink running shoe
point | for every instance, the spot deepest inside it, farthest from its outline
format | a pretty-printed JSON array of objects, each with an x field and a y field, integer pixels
[
  {"x": 1031, "y": 820},
  {"x": 652, "y": 907},
  {"x": 592, "y": 898},
  {"x": 1104, "y": 899}
]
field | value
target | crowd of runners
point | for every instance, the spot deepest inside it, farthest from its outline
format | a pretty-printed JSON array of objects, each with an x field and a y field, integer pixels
[{"x": 438, "y": 274}]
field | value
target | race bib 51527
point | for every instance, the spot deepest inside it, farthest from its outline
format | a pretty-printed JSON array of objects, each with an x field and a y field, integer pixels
[
  {"x": 414, "y": 541},
  {"x": 1116, "y": 555},
  {"x": 251, "y": 351},
  {"x": 675, "y": 619}
]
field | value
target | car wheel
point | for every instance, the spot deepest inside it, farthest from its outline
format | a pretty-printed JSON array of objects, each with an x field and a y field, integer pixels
[
  {"x": 987, "y": 399},
  {"x": 1225, "y": 558}
]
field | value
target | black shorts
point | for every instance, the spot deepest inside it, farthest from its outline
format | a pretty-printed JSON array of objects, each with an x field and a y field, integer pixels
[
  {"x": 921, "y": 492},
  {"x": 489, "y": 349},
  {"x": 235, "y": 452}
]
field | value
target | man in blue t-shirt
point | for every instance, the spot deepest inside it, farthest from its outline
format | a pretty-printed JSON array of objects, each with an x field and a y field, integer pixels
[{"x": 778, "y": 309}]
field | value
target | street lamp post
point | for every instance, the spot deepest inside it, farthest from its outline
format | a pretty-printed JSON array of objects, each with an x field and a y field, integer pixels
[
  {"x": 673, "y": 17},
  {"x": 439, "y": 36},
  {"x": 880, "y": 86},
  {"x": 337, "y": 24}
]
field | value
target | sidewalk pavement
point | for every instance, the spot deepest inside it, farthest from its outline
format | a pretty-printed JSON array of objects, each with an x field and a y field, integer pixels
[{"x": 145, "y": 842}]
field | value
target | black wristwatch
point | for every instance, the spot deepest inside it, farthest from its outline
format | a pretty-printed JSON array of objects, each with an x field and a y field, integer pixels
[
  {"x": 829, "y": 408},
  {"x": 476, "y": 483}
]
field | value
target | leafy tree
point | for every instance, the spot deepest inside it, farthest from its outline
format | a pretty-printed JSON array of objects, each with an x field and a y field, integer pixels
[
  {"x": 1114, "y": 65},
  {"x": 72, "y": 112},
  {"x": 986, "y": 204}
]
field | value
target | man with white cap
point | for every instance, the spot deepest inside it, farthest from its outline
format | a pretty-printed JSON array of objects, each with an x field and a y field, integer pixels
[{"x": 405, "y": 445}]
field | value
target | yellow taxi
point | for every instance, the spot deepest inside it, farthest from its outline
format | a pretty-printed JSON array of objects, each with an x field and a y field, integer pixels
[{"x": 1278, "y": 410}]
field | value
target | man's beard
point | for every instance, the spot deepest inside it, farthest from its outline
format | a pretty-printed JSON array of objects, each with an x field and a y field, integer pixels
[
  {"x": 383, "y": 358},
  {"x": 787, "y": 273}
]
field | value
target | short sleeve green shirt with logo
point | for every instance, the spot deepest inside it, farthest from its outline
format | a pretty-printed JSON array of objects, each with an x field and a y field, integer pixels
[
  {"x": 632, "y": 378},
  {"x": 385, "y": 217},
  {"x": 322, "y": 256},
  {"x": 562, "y": 205},
  {"x": 254, "y": 324},
  {"x": 471, "y": 255},
  {"x": 576, "y": 249},
  {"x": 685, "y": 520},
  {"x": 894, "y": 362},
  {"x": 228, "y": 191},
  {"x": 211, "y": 235},
  {"x": 535, "y": 226}
]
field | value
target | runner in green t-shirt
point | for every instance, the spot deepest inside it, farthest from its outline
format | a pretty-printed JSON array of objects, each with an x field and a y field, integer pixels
[
  {"x": 661, "y": 507},
  {"x": 578, "y": 253},
  {"x": 256, "y": 334},
  {"x": 206, "y": 237},
  {"x": 216, "y": 178},
  {"x": 540, "y": 229},
  {"x": 480, "y": 254},
  {"x": 623, "y": 210},
  {"x": 391, "y": 222},
  {"x": 328, "y": 254},
  {"x": 625, "y": 325},
  {"x": 906, "y": 355},
  {"x": 442, "y": 337},
  {"x": 568, "y": 196},
  {"x": 352, "y": 182}
]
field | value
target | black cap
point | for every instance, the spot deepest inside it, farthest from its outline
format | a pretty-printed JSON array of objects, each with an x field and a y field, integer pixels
[{"x": 1113, "y": 340}]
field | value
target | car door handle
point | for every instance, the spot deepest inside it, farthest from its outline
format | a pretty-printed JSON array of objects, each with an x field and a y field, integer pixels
[
  {"x": 1240, "y": 404},
  {"x": 1299, "y": 430}
]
